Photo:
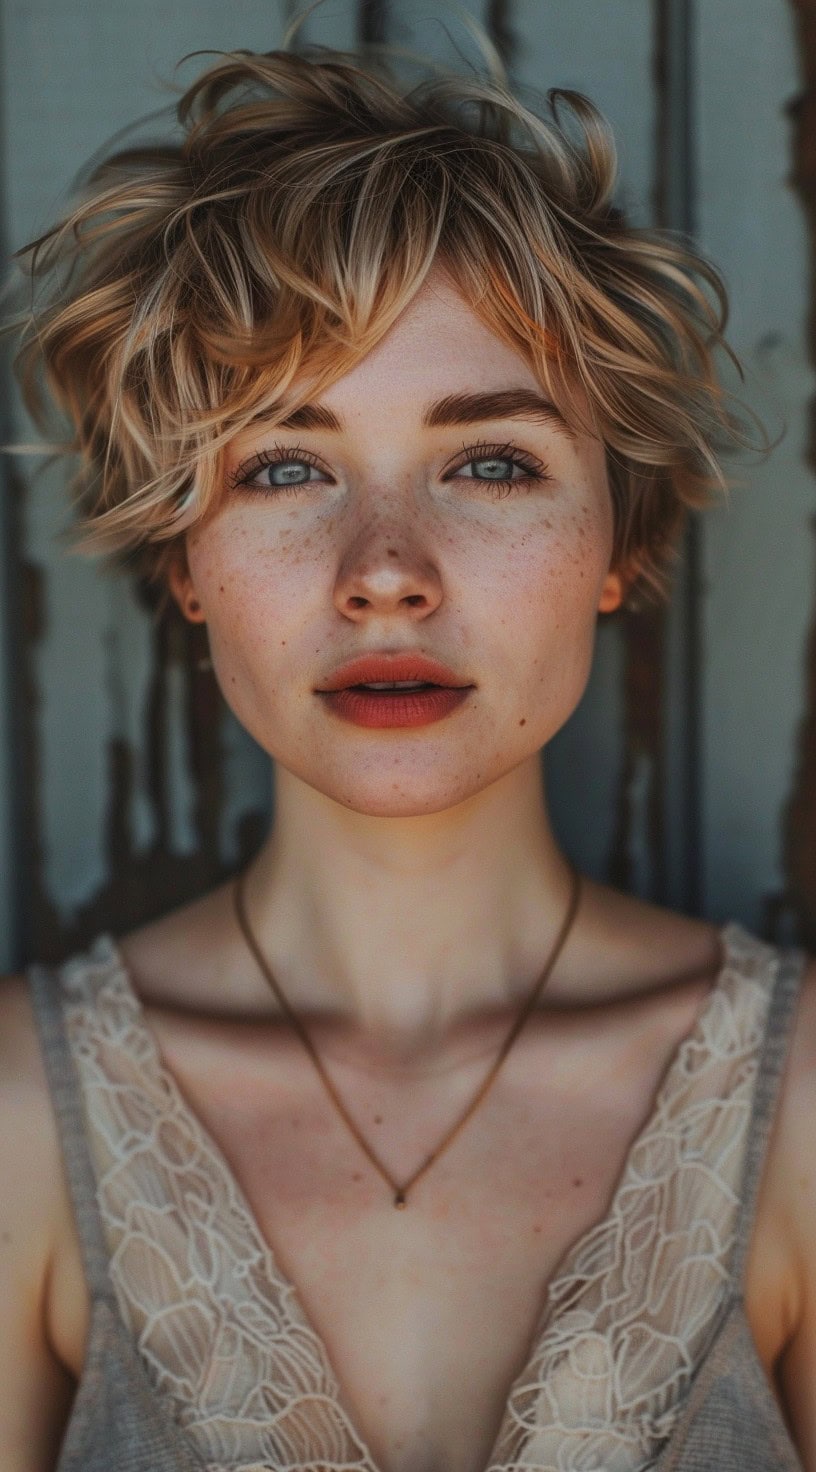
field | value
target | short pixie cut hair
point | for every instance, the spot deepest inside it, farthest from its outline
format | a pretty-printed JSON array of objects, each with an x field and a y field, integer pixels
[{"x": 283, "y": 233}]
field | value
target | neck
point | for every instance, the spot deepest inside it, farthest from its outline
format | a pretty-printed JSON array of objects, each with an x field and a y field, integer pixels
[{"x": 409, "y": 935}]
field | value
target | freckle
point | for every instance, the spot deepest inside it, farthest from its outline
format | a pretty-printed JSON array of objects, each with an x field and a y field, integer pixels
[
  {"x": 523, "y": 721},
  {"x": 578, "y": 1181},
  {"x": 392, "y": 552},
  {"x": 357, "y": 1176},
  {"x": 378, "y": 1119},
  {"x": 283, "y": 643},
  {"x": 536, "y": 1226},
  {"x": 221, "y": 589}
]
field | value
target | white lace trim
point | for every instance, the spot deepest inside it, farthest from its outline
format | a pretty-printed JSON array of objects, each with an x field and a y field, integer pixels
[{"x": 627, "y": 1316}]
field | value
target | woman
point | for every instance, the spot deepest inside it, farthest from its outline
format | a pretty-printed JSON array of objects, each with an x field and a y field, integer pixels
[{"x": 393, "y": 400}]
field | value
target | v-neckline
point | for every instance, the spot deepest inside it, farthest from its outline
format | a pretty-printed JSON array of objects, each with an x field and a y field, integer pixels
[{"x": 729, "y": 936}]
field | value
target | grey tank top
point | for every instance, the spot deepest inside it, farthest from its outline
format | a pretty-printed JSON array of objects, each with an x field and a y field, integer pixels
[{"x": 201, "y": 1356}]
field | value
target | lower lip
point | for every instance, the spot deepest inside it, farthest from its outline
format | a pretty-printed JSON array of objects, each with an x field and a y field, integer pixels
[{"x": 376, "y": 708}]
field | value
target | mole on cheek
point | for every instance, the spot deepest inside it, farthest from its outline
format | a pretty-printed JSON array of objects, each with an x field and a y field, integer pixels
[
  {"x": 392, "y": 552},
  {"x": 523, "y": 721}
]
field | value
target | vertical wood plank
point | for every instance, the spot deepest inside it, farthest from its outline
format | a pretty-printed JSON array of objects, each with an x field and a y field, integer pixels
[
  {"x": 794, "y": 907},
  {"x": 602, "y": 788},
  {"x": 758, "y": 551},
  {"x": 128, "y": 808}
]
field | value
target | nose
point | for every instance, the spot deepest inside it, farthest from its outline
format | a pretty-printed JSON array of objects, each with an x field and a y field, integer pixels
[{"x": 387, "y": 571}]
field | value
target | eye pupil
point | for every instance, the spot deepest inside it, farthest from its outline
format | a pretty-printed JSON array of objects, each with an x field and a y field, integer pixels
[
  {"x": 497, "y": 469},
  {"x": 287, "y": 473}
]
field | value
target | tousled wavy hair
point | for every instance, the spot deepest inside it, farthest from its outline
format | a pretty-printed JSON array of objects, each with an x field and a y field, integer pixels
[{"x": 283, "y": 233}]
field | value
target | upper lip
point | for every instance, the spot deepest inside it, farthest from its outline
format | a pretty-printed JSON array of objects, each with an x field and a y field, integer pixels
[{"x": 370, "y": 669}]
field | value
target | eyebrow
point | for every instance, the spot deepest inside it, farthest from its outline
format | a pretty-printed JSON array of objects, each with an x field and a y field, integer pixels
[{"x": 454, "y": 409}]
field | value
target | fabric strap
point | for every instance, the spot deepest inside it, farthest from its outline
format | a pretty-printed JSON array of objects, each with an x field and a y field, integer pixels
[{"x": 772, "y": 1060}]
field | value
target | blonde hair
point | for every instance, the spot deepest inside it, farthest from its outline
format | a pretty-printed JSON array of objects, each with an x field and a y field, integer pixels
[{"x": 285, "y": 231}]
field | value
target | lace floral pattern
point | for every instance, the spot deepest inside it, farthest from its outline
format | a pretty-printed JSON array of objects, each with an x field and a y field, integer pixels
[{"x": 626, "y": 1320}]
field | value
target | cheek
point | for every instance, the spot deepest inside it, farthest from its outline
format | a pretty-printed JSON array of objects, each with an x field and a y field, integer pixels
[
  {"x": 243, "y": 575},
  {"x": 558, "y": 583},
  {"x": 562, "y": 565},
  {"x": 243, "y": 598}
]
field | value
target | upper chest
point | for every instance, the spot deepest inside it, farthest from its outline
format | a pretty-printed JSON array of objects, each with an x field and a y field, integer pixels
[{"x": 428, "y": 1314}]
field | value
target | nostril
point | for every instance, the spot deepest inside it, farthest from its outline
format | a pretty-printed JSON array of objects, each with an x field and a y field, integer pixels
[{"x": 357, "y": 602}]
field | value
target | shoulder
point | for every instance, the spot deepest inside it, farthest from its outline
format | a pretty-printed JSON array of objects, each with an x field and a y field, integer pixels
[
  {"x": 35, "y": 1219},
  {"x": 32, "y": 1197},
  {"x": 29, "y": 1146},
  {"x": 787, "y": 1214}
]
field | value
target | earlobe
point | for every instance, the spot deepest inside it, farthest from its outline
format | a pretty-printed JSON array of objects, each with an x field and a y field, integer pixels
[
  {"x": 181, "y": 586},
  {"x": 612, "y": 593}
]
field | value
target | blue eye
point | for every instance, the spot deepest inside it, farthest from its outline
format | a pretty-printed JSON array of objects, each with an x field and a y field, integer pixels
[
  {"x": 285, "y": 473},
  {"x": 274, "y": 471},
  {"x": 495, "y": 468}
]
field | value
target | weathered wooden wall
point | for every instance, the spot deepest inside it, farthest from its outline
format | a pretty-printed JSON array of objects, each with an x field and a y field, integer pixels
[{"x": 689, "y": 771}]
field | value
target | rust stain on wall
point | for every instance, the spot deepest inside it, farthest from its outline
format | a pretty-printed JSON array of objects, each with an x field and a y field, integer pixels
[
  {"x": 794, "y": 910},
  {"x": 140, "y": 886},
  {"x": 640, "y": 823},
  {"x": 792, "y": 913}
]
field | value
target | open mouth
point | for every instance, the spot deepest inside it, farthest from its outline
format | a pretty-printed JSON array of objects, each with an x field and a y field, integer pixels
[{"x": 406, "y": 688}]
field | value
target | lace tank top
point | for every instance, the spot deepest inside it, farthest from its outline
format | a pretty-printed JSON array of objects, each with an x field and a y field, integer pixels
[{"x": 201, "y": 1356}]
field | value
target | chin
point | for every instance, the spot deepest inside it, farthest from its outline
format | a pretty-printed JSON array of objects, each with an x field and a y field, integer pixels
[{"x": 387, "y": 792}]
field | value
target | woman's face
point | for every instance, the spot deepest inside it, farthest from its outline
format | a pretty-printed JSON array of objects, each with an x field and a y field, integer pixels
[{"x": 480, "y": 539}]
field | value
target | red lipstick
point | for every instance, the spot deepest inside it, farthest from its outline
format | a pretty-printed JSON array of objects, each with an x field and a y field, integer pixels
[{"x": 382, "y": 690}]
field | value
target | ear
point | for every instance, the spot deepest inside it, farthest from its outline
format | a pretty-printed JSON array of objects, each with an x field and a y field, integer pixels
[
  {"x": 612, "y": 593},
  {"x": 180, "y": 583}
]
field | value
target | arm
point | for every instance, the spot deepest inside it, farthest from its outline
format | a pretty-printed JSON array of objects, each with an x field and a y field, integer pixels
[
  {"x": 35, "y": 1388},
  {"x": 793, "y": 1170}
]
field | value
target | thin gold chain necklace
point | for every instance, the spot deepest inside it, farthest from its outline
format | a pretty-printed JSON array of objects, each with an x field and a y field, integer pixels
[{"x": 401, "y": 1189}]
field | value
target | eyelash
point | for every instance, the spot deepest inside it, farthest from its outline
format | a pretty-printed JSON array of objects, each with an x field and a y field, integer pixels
[{"x": 535, "y": 471}]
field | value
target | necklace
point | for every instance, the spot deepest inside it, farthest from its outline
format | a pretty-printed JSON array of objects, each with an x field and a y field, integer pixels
[{"x": 401, "y": 1190}]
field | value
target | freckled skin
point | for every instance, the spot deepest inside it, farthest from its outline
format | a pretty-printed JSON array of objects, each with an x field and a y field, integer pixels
[{"x": 379, "y": 551}]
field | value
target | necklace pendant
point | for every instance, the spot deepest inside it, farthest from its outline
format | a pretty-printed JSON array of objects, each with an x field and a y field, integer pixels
[{"x": 399, "y": 1200}]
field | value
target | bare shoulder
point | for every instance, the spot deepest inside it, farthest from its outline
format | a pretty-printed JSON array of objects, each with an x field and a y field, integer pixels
[
  {"x": 788, "y": 1206},
  {"x": 29, "y": 1148},
  {"x": 36, "y": 1386}
]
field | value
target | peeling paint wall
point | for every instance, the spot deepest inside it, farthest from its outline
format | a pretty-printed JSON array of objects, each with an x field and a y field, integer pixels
[{"x": 688, "y": 773}]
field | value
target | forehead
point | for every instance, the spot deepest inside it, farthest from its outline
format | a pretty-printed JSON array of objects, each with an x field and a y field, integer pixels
[{"x": 437, "y": 339}]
